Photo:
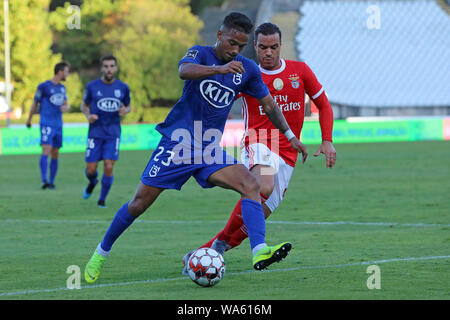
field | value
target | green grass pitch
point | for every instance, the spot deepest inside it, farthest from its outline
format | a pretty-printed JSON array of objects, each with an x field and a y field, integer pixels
[{"x": 384, "y": 204}]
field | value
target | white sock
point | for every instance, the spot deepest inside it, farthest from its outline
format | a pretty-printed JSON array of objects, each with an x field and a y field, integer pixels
[
  {"x": 258, "y": 247},
  {"x": 102, "y": 252}
]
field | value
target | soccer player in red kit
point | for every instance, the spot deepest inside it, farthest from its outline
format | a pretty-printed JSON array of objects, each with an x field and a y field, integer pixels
[{"x": 265, "y": 152}]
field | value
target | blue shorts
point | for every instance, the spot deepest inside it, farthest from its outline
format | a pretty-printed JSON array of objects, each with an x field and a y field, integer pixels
[
  {"x": 52, "y": 136},
  {"x": 171, "y": 165},
  {"x": 99, "y": 149}
]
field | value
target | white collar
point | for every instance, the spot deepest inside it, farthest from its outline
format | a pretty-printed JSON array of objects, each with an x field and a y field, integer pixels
[{"x": 279, "y": 70}]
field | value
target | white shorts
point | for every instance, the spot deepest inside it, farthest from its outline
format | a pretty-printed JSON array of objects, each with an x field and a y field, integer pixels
[{"x": 259, "y": 153}]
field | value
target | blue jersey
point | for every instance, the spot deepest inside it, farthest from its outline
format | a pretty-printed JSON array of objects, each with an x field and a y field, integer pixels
[
  {"x": 50, "y": 97},
  {"x": 105, "y": 101},
  {"x": 208, "y": 101}
]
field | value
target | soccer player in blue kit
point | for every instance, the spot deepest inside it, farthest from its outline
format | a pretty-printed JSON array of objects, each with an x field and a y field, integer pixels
[
  {"x": 109, "y": 100},
  {"x": 213, "y": 76},
  {"x": 52, "y": 99}
]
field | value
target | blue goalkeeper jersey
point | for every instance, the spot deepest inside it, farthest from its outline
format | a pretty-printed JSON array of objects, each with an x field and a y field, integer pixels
[
  {"x": 105, "y": 101},
  {"x": 206, "y": 103},
  {"x": 50, "y": 97}
]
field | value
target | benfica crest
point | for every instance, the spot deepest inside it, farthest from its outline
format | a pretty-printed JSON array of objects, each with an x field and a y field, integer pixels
[{"x": 294, "y": 82}]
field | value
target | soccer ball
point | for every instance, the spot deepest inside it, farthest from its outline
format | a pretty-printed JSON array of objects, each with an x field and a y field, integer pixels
[{"x": 206, "y": 267}]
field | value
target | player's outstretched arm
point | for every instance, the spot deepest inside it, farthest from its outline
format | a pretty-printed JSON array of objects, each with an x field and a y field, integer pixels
[
  {"x": 326, "y": 126},
  {"x": 32, "y": 112},
  {"x": 275, "y": 115},
  {"x": 194, "y": 71}
]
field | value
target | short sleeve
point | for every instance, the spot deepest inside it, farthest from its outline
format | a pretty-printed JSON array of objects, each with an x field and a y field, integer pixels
[
  {"x": 193, "y": 55},
  {"x": 126, "y": 97},
  {"x": 39, "y": 93},
  {"x": 87, "y": 97},
  {"x": 255, "y": 85}
]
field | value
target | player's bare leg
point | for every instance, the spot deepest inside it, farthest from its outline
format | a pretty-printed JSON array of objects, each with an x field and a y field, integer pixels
[
  {"x": 143, "y": 199},
  {"x": 238, "y": 178}
]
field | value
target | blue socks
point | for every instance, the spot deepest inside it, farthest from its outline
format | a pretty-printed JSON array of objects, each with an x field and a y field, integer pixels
[
  {"x": 253, "y": 216},
  {"x": 43, "y": 164},
  {"x": 106, "y": 185},
  {"x": 122, "y": 220},
  {"x": 43, "y": 161},
  {"x": 92, "y": 178},
  {"x": 53, "y": 170}
]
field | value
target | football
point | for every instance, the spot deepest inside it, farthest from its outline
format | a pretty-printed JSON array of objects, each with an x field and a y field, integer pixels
[{"x": 206, "y": 267}]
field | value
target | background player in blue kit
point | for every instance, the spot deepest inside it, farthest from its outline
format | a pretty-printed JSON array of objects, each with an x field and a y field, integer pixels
[
  {"x": 190, "y": 141},
  {"x": 51, "y": 97},
  {"x": 109, "y": 100}
]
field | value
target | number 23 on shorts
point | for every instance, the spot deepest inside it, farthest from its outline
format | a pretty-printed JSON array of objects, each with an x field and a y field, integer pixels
[{"x": 160, "y": 151}]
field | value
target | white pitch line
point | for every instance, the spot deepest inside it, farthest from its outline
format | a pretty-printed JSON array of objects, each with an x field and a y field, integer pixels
[
  {"x": 317, "y": 223},
  {"x": 17, "y": 293}
]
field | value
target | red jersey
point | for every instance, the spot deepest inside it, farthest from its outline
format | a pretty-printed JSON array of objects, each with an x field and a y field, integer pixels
[{"x": 288, "y": 86}]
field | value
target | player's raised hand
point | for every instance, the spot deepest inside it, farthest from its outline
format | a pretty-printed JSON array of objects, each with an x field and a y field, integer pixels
[
  {"x": 92, "y": 118},
  {"x": 231, "y": 67},
  {"x": 328, "y": 150},
  {"x": 300, "y": 147}
]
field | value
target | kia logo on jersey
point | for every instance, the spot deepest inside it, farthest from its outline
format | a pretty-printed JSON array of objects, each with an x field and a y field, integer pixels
[
  {"x": 218, "y": 95},
  {"x": 57, "y": 99},
  {"x": 108, "y": 104}
]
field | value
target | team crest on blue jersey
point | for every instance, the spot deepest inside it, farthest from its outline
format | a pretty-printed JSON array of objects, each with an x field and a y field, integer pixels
[
  {"x": 218, "y": 95},
  {"x": 109, "y": 104},
  {"x": 117, "y": 93},
  {"x": 237, "y": 78}
]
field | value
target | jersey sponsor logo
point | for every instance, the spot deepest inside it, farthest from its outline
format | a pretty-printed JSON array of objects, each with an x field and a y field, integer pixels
[
  {"x": 218, "y": 95},
  {"x": 109, "y": 104},
  {"x": 57, "y": 99},
  {"x": 278, "y": 84}
]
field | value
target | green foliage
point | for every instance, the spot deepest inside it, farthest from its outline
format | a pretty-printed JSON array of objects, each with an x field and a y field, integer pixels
[
  {"x": 151, "y": 39},
  {"x": 198, "y": 5},
  {"x": 83, "y": 47},
  {"x": 147, "y": 36},
  {"x": 32, "y": 60},
  {"x": 75, "y": 90}
]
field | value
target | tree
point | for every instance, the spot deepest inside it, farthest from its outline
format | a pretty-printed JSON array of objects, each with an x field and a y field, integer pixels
[
  {"x": 152, "y": 37},
  {"x": 83, "y": 46},
  {"x": 32, "y": 59},
  {"x": 148, "y": 37}
]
